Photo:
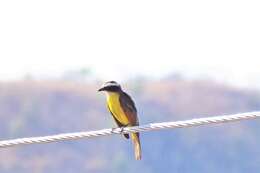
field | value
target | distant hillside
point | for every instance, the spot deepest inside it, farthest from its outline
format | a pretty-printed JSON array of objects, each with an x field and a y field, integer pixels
[{"x": 32, "y": 108}]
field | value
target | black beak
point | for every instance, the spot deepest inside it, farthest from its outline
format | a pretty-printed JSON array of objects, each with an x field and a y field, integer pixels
[{"x": 101, "y": 89}]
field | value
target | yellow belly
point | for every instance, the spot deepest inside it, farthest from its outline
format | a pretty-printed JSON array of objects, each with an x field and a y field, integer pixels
[{"x": 115, "y": 107}]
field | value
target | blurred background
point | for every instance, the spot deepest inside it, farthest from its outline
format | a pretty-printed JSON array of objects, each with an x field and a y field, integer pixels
[{"x": 178, "y": 60}]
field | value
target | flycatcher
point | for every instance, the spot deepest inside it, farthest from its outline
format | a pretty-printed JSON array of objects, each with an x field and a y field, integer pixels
[{"x": 123, "y": 110}]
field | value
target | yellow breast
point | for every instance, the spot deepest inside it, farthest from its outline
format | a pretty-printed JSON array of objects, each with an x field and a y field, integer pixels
[{"x": 115, "y": 107}]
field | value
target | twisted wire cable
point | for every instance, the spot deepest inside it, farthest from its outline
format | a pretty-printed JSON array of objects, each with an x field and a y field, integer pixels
[{"x": 142, "y": 128}]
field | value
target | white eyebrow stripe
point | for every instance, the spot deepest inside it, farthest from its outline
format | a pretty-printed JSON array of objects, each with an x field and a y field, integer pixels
[{"x": 111, "y": 84}]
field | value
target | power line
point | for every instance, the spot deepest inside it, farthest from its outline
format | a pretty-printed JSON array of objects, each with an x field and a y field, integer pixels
[{"x": 143, "y": 128}]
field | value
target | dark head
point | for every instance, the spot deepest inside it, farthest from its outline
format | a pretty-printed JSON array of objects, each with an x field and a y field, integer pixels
[{"x": 110, "y": 86}]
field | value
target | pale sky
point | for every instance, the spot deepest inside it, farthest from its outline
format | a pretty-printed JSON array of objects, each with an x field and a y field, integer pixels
[{"x": 218, "y": 39}]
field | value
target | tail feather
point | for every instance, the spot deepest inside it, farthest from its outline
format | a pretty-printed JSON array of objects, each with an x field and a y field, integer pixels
[{"x": 137, "y": 145}]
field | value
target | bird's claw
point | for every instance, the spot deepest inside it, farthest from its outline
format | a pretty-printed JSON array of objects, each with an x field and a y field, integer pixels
[{"x": 121, "y": 129}]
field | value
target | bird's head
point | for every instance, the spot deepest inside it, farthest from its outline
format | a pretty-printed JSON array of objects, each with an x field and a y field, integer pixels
[{"x": 110, "y": 86}]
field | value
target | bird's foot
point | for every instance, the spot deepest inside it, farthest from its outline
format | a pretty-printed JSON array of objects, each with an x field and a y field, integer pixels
[
  {"x": 121, "y": 129},
  {"x": 113, "y": 129}
]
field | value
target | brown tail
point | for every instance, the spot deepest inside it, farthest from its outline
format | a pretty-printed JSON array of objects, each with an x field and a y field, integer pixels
[{"x": 137, "y": 145}]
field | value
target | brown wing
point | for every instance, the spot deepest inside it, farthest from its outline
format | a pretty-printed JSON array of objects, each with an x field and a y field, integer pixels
[
  {"x": 118, "y": 123},
  {"x": 128, "y": 106}
]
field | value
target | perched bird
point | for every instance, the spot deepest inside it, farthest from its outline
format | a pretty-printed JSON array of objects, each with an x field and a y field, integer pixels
[{"x": 123, "y": 110}]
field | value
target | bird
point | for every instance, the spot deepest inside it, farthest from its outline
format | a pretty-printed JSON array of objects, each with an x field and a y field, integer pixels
[{"x": 123, "y": 111}]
